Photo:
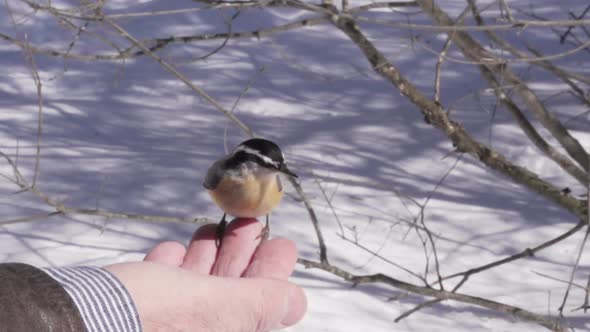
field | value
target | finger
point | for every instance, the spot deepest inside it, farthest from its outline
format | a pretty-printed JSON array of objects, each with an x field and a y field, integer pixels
[
  {"x": 168, "y": 253},
  {"x": 240, "y": 240},
  {"x": 202, "y": 250},
  {"x": 260, "y": 304},
  {"x": 274, "y": 258}
]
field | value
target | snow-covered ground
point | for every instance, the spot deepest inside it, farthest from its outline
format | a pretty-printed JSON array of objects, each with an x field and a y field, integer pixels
[{"x": 126, "y": 136}]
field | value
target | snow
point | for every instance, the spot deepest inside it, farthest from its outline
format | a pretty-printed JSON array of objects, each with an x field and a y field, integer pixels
[{"x": 128, "y": 137}]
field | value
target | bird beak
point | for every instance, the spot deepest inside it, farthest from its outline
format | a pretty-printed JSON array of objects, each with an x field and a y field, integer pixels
[{"x": 286, "y": 170}]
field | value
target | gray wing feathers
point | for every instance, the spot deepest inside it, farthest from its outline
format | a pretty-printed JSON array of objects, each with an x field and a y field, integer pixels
[{"x": 214, "y": 174}]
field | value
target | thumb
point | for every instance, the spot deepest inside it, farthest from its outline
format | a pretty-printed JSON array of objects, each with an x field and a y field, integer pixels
[{"x": 178, "y": 299}]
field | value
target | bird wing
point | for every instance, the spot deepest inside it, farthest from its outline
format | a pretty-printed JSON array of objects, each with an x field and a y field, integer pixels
[{"x": 214, "y": 174}]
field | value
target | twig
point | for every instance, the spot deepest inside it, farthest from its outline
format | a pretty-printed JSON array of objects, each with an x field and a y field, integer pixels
[
  {"x": 524, "y": 253},
  {"x": 520, "y": 24},
  {"x": 314, "y": 220},
  {"x": 426, "y": 229},
  {"x": 32, "y": 65},
  {"x": 468, "y": 273},
  {"x": 576, "y": 264},
  {"x": 576, "y": 41},
  {"x": 378, "y": 5},
  {"x": 563, "y": 75},
  {"x": 416, "y": 308},
  {"x": 560, "y": 280},
  {"x": 574, "y": 268},
  {"x": 229, "y": 24},
  {"x": 427, "y": 303},
  {"x": 233, "y": 108},
  {"x": 563, "y": 161},
  {"x": 329, "y": 202},
  {"x": 586, "y": 304},
  {"x": 569, "y": 29},
  {"x": 39, "y": 87},
  {"x": 442, "y": 55},
  {"x": 386, "y": 260},
  {"x": 60, "y": 208},
  {"x": 506, "y": 9},
  {"x": 99, "y": 17},
  {"x": 475, "y": 52},
  {"x": 438, "y": 67},
  {"x": 503, "y": 61},
  {"x": 29, "y": 218},
  {"x": 438, "y": 294},
  {"x": 164, "y": 12},
  {"x": 181, "y": 77},
  {"x": 461, "y": 139},
  {"x": 529, "y": 130},
  {"x": 159, "y": 43}
]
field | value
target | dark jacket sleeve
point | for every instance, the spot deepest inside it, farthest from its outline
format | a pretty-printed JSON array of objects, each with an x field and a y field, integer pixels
[{"x": 30, "y": 300}]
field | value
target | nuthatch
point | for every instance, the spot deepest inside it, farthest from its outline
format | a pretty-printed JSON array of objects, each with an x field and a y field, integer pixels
[{"x": 246, "y": 183}]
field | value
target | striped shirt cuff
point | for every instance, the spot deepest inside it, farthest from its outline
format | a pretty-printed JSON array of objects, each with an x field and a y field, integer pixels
[{"x": 103, "y": 302}]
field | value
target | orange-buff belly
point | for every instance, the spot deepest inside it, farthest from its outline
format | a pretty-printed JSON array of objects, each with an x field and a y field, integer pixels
[{"x": 247, "y": 198}]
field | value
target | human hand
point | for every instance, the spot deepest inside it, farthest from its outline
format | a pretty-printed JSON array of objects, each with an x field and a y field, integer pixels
[{"x": 238, "y": 287}]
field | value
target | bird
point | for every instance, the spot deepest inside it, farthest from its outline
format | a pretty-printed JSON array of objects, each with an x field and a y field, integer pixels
[{"x": 247, "y": 182}]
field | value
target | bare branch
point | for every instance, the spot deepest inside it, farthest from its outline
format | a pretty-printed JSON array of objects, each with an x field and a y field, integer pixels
[
  {"x": 462, "y": 140},
  {"x": 164, "y": 12},
  {"x": 503, "y": 61},
  {"x": 506, "y": 9},
  {"x": 438, "y": 294},
  {"x": 314, "y": 220},
  {"x": 159, "y": 43},
  {"x": 423, "y": 222},
  {"x": 60, "y": 208},
  {"x": 474, "y": 51},
  {"x": 574, "y": 268},
  {"x": 36, "y": 217},
  {"x": 488, "y": 74},
  {"x": 438, "y": 67},
  {"x": 569, "y": 29},
  {"x": 530, "y": 131},
  {"x": 32, "y": 65},
  {"x": 525, "y": 253},
  {"x": 559, "y": 280},
  {"x": 329, "y": 202},
  {"x": 181, "y": 77},
  {"x": 39, "y": 88},
  {"x": 379, "y": 5},
  {"x": 441, "y": 58},
  {"x": 240, "y": 96},
  {"x": 539, "y": 60},
  {"x": 448, "y": 27},
  {"x": 229, "y": 24},
  {"x": 386, "y": 260},
  {"x": 586, "y": 304}
]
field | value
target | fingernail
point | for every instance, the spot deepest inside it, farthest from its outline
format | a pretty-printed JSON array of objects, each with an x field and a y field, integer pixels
[{"x": 295, "y": 307}]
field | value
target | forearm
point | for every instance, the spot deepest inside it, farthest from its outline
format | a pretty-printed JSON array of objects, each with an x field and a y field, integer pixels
[
  {"x": 30, "y": 300},
  {"x": 72, "y": 299}
]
